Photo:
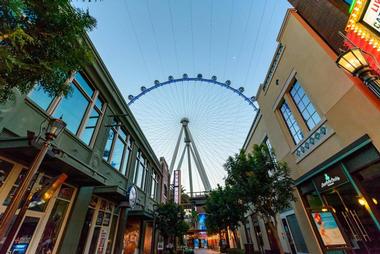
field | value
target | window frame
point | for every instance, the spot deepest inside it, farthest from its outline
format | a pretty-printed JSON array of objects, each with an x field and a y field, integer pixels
[
  {"x": 55, "y": 102},
  {"x": 116, "y": 128},
  {"x": 306, "y": 106},
  {"x": 144, "y": 164},
  {"x": 154, "y": 182},
  {"x": 284, "y": 101}
]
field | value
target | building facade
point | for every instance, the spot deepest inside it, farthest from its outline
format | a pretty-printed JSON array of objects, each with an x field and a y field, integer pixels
[
  {"x": 102, "y": 151},
  {"x": 325, "y": 125}
]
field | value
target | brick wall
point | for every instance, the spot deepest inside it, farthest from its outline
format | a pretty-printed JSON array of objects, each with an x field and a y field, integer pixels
[{"x": 326, "y": 17}]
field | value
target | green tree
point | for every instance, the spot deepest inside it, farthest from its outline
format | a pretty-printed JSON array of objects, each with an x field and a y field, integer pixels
[
  {"x": 224, "y": 211},
  {"x": 171, "y": 222},
  {"x": 263, "y": 183},
  {"x": 41, "y": 41}
]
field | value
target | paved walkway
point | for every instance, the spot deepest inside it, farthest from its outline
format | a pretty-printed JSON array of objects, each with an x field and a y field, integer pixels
[{"x": 205, "y": 251}]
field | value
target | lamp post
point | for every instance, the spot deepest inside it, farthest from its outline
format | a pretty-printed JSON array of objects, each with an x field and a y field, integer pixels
[
  {"x": 154, "y": 228},
  {"x": 354, "y": 62},
  {"x": 55, "y": 127}
]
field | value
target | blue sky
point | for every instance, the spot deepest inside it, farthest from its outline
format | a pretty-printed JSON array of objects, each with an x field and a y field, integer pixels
[{"x": 144, "y": 40}]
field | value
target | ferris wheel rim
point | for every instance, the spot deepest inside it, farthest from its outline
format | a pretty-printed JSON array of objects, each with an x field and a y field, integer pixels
[{"x": 185, "y": 78}]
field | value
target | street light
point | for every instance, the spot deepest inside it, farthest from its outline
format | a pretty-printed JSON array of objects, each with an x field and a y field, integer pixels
[
  {"x": 354, "y": 62},
  {"x": 54, "y": 128},
  {"x": 154, "y": 228}
]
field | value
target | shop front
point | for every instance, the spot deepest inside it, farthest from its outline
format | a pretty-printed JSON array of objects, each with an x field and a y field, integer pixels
[
  {"x": 342, "y": 197},
  {"x": 98, "y": 231},
  {"x": 40, "y": 229}
]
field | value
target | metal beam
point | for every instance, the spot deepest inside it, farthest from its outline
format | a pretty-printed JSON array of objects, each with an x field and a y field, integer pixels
[
  {"x": 201, "y": 169},
  {"x": 190, "y": 173},
  {"x": 180, "y": 160},
  {"x": 175, "y": 152}
]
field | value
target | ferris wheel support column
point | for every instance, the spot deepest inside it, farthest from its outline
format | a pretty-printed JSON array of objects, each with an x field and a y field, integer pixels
[
  {"x": 201, "y": 169},
  {"x": 175, "y": 152},
  {"x": 190, "y": 173}
]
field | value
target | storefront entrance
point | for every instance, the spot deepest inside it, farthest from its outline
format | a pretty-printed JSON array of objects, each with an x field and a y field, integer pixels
[
  {"x": 98, "y": 231},
  {"x": 354, "y": 218},
  {"x": 342, "y": 202},
  {"x": 42, "y": 226}
]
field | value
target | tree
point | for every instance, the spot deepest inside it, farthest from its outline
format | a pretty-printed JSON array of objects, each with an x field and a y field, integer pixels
[
  {"x": 41, "y": 41},
  {"x": 224, "y": 211},
  {"x": 170, "y": 222},
  {"x": 262, "y": 182}
]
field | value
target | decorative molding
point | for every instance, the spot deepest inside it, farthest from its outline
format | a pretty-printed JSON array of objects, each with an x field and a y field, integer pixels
[
  {"x": 273, "y": 66},
  {"x": 315, "y": 138}
]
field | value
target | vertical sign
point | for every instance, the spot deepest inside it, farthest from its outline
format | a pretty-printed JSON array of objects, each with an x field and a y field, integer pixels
[{"x": 177, "y": 186}]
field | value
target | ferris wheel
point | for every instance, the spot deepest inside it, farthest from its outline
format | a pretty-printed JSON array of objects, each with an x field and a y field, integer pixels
[{"x": 195, "y": 123}]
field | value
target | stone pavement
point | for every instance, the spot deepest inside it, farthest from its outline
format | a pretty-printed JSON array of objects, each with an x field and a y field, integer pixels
[{"x": 205, "y": 251}]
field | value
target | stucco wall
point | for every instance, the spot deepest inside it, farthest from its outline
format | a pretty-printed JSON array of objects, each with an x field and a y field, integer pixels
[{"x": 336, "y": 96}]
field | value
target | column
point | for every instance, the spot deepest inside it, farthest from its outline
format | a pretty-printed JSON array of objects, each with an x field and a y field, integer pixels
[{"x": 75, "y": 222}]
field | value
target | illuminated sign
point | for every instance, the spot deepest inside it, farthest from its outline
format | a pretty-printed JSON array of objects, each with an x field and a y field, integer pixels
[
  {"x": 202, "y": 221},
  {"x": 177, "y": 186},
  {"x": 371, "y": 15},
  {"x": 329, "y": 179}
]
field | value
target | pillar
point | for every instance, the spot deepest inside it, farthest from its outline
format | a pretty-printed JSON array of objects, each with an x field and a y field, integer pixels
[
  {"x": 70, "y": 239},
  {"x": 119, "y": 241}
]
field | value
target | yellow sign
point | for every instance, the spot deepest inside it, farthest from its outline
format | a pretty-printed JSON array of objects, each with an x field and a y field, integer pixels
[{"x": 364, "y": 21}]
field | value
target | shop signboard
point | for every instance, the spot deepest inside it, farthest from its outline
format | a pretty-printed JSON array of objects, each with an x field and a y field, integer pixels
[
  {"x": 330, "y": 178},
  {"x": 202, "y": 221},
  {"x": 177, "y": 186},
  {"x": 371, "y": 15},
  {"x": 328, "y": 229}
]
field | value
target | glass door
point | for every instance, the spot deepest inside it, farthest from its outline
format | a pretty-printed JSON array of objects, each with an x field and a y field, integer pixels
[
  {"x": 355, "y": 219},
  {"x": 95, "y": 235}
]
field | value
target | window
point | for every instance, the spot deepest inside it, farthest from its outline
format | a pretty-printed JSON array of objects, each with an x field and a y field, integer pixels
[
  {"x": 348, "y": 1},
  {"x": 72, "y": 108},
  {"x": 81, "y": 109},
  {"x": 118, "y": 147},
  {"x": 269, "y": 145},
  {"x": 290, "y": 121},
  {"x": 141, "y": 166},
  {"x": 5, "y": 169},
  {"x": 153, "y": 189},
  {"x": 304, "y": 106},
  {"x": 41, "y": 97}
]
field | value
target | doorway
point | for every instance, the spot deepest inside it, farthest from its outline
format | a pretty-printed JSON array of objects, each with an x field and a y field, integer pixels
[{"x": 355, "y": 219}]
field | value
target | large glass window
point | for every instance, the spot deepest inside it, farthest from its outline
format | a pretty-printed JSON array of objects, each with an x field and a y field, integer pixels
[
  {"x": 140, "y": 170},
  {"x": 55, "y": 222},
  {"x": 72, "y": 109},
  {"x": 154, "y": 184},
  {"x": 118, "y": 147},
  {"x": 81, "y": 109},
  {"x": 305, "y": 106},
  {"x": 41, "y": 97},
  {"x": 24, "y": 235},
  {"x": 5, "y": 169},
  {"x": 291, "y": 122}
]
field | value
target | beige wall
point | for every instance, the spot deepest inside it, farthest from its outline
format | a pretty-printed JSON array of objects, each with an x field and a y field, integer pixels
[{"x": 349, "y": 114}]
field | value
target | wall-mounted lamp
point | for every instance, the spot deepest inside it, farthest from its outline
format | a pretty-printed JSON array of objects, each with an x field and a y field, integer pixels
[
  {"x": 362, "y": 201},
  {"x": 354, "y": 62}
]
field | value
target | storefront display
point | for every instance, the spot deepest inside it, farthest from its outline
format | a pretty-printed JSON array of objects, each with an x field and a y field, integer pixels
[
  {"x": 342, "y": 202},
  {"x": 43, "y": 224},
  {"x": 97, "y": 235},
  {"x": 132, "y": 235},
  {"x": 328, "y": 229},
  {"x": 24, "y": 235}
]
